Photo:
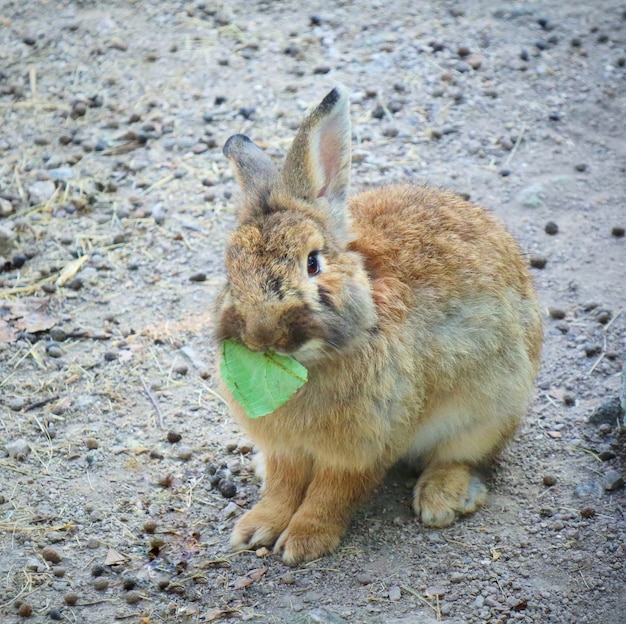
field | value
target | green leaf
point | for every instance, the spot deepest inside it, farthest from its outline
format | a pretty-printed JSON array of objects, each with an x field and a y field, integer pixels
[{"x": 261, "y": 382}]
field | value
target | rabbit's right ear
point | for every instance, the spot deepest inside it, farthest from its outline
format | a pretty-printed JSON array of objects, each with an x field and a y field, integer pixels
[{"x": 255, "y": 169}]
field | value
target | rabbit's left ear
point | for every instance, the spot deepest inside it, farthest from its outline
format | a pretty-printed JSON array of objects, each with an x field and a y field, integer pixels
[{"x": 318, "y": 163}]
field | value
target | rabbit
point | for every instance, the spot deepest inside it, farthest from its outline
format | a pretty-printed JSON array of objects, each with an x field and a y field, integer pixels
[{"x": 413, "y": 311}]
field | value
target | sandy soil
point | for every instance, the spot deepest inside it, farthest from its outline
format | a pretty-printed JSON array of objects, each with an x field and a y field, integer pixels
[{"x": 121, "y": 473}]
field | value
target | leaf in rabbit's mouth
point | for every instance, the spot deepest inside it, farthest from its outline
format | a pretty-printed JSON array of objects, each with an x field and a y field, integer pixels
[{"x": 260, "y": 382}]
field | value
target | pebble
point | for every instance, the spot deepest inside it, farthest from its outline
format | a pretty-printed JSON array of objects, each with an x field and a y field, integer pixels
[
  {"x": 587, "y": 512},
  {"x": 247, "y": 111},
  {"x": 609, "y": 412},
  {"x": 59, "y": 571},
  {"x": 592, "y": 349},
  {"x": 181, "y": 369},
  {"x": 538, "y": 261},
  {"x": 556, "y": 313},
  {"x": 551, "y": 228},
  {"x": 378, "y": 112},
  {"x": 549, "y": 480},
  {"x": 92, "y": 443},
  {"x": 227, "y": 488},
  {"x": 618, "y": 231},
  {"x": 55, "y": 614},
  {"x": 604, "y": 316},
  {"x": 7, "y": 240},
  {"x": 230, "y": 511},
  {"x": 173, "y": 437},
  {"x": 580, "y": 167},
  {"x": 18, "y": 449},
  {"x": 93, "y": 543},
  {"x": 129, "y": 583},
  {"x": 101, "y": 583},
  {"x": 612, "y": 481},
  {"x": 25, "y": 610},
  {"x": 198, "y": 277},
  {"x": 364, "y": 579},
  {"x": 457, "y": 577},
  {"x": 51, "y": 554},
  {"x": 149, "y": 526},
  {"x": 41, "y": 191},
  {"x": 18, "y": 261},
  {"x": 71, "y": 598},
  {"x": 184, "y": 452},
  {"x": 394, "y": 593},
  {"x": 132, "y": 597},
  {"x": 110, "y": 356}
]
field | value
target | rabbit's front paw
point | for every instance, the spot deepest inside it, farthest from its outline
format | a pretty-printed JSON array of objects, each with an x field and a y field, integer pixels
[
  {"x": 304, "y": 541},
  {"x": 259, "y": 527},
  {"x": 444, "y": 491}
]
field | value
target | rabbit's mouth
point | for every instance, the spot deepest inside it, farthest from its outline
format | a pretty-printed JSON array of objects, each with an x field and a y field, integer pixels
[{"x": 311, "y": 351}]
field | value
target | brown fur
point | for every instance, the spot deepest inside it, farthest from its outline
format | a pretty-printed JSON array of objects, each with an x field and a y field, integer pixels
[{"x": 421, "y": 335}]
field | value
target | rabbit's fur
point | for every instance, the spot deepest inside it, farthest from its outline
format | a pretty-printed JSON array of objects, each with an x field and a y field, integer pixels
[{"x": 420, "y": 331}]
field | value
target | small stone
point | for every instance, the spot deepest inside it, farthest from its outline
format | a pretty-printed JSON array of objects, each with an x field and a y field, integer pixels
[
  {"x": 540, "y": 44},
  {"x": 53, "y": 350},
  {"x": 505, "y": 173},
  {"x": 41, "y": 191},
  {"x": 612, "y": 481},
  {"x": 287, "y": 579},
  {"x": 587, "y": 512},
  {"x": 227, "y": 488},
  {"x": 18, "y": 449},
  {"x": 463, "y": 50},
  {"x": 101, "y": 583},
  {"x": 556, "y": 313},
  {"x": 378, "y": 112},
  {"x": 610, "y": 412},
  {"x": 537, "y": 261},
  {"x": 92, "y": 443},
  {"x": 364, "y": 579},
  {"x": 457, "y": 577},
  {"x": 230, "y": 511},
  {"x": 132, "y": 597},
  {"x": 18, "y": 261},
  {"x": 58, "y": 571},
  {"x": 618, "y": 231},
  {"x": 592, "y": 349},
  {"x": 184, "y": 452},
  {"x": 394, "y": 593},
  {"x": 110, "y": 356},
  {"x": 551, "y": 228},
  {"x": 181, "y": 369},
  {"x": 198, "y": 277},
  {"x": 247, "y": 111},
  {"x": 524, "y": 55},
  {"x": 580, "y": 167},
  {"x": 70, "y": 599},
  {"x": 569, "y": 399},
  {"x": 149, "y": 526},
  {"x": 55, "y": 614},
  {"x": 549, "y": 480},
  {"x": 173, "y": 437},
  {"x": 604, "y": 316},
  {"x": 75, "y": 284},
  {"x": 129, "y": 583},
  {"x": 25, "y": 610},
  {"x": 51, "y": 554},
  {"x": 93, "y": 543},
  {"x": 321, "y": 69}
]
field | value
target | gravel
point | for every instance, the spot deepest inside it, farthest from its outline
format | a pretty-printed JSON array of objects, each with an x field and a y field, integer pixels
[{"x": 115, "y": 206}]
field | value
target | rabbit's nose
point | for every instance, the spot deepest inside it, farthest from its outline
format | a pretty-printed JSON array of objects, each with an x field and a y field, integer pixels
[{"x": 259, "y": 335}]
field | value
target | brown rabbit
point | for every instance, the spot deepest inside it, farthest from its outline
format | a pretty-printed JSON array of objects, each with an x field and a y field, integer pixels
[{"x": 413, "y": 311}]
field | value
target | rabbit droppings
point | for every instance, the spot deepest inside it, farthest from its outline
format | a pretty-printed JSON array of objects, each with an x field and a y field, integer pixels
[{"x": 413, "y": 311}]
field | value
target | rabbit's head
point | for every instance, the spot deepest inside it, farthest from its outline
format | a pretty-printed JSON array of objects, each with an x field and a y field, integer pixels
[{"x": 292, "y": 284}]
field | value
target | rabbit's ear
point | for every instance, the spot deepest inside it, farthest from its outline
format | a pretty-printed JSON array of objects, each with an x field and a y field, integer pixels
[
  {"x": 318, "y": 163},
  {"x": 255, "y": 170}
]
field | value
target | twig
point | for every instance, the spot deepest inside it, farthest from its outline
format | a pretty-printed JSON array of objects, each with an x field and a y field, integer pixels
[
  {"x": 595, "y": 365},
  {"x": 606, "y": 327},
  {"x": 435, "y": 607},
  {"x": 153, "y": 401},
  {"x": 520, "y": 136}
]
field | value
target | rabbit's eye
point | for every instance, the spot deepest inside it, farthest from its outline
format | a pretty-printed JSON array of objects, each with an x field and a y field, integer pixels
[{"x": 313, "y": 264}]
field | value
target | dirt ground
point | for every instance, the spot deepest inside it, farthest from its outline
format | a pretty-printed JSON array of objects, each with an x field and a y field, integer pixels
[{"x": 121, "y": 474}]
